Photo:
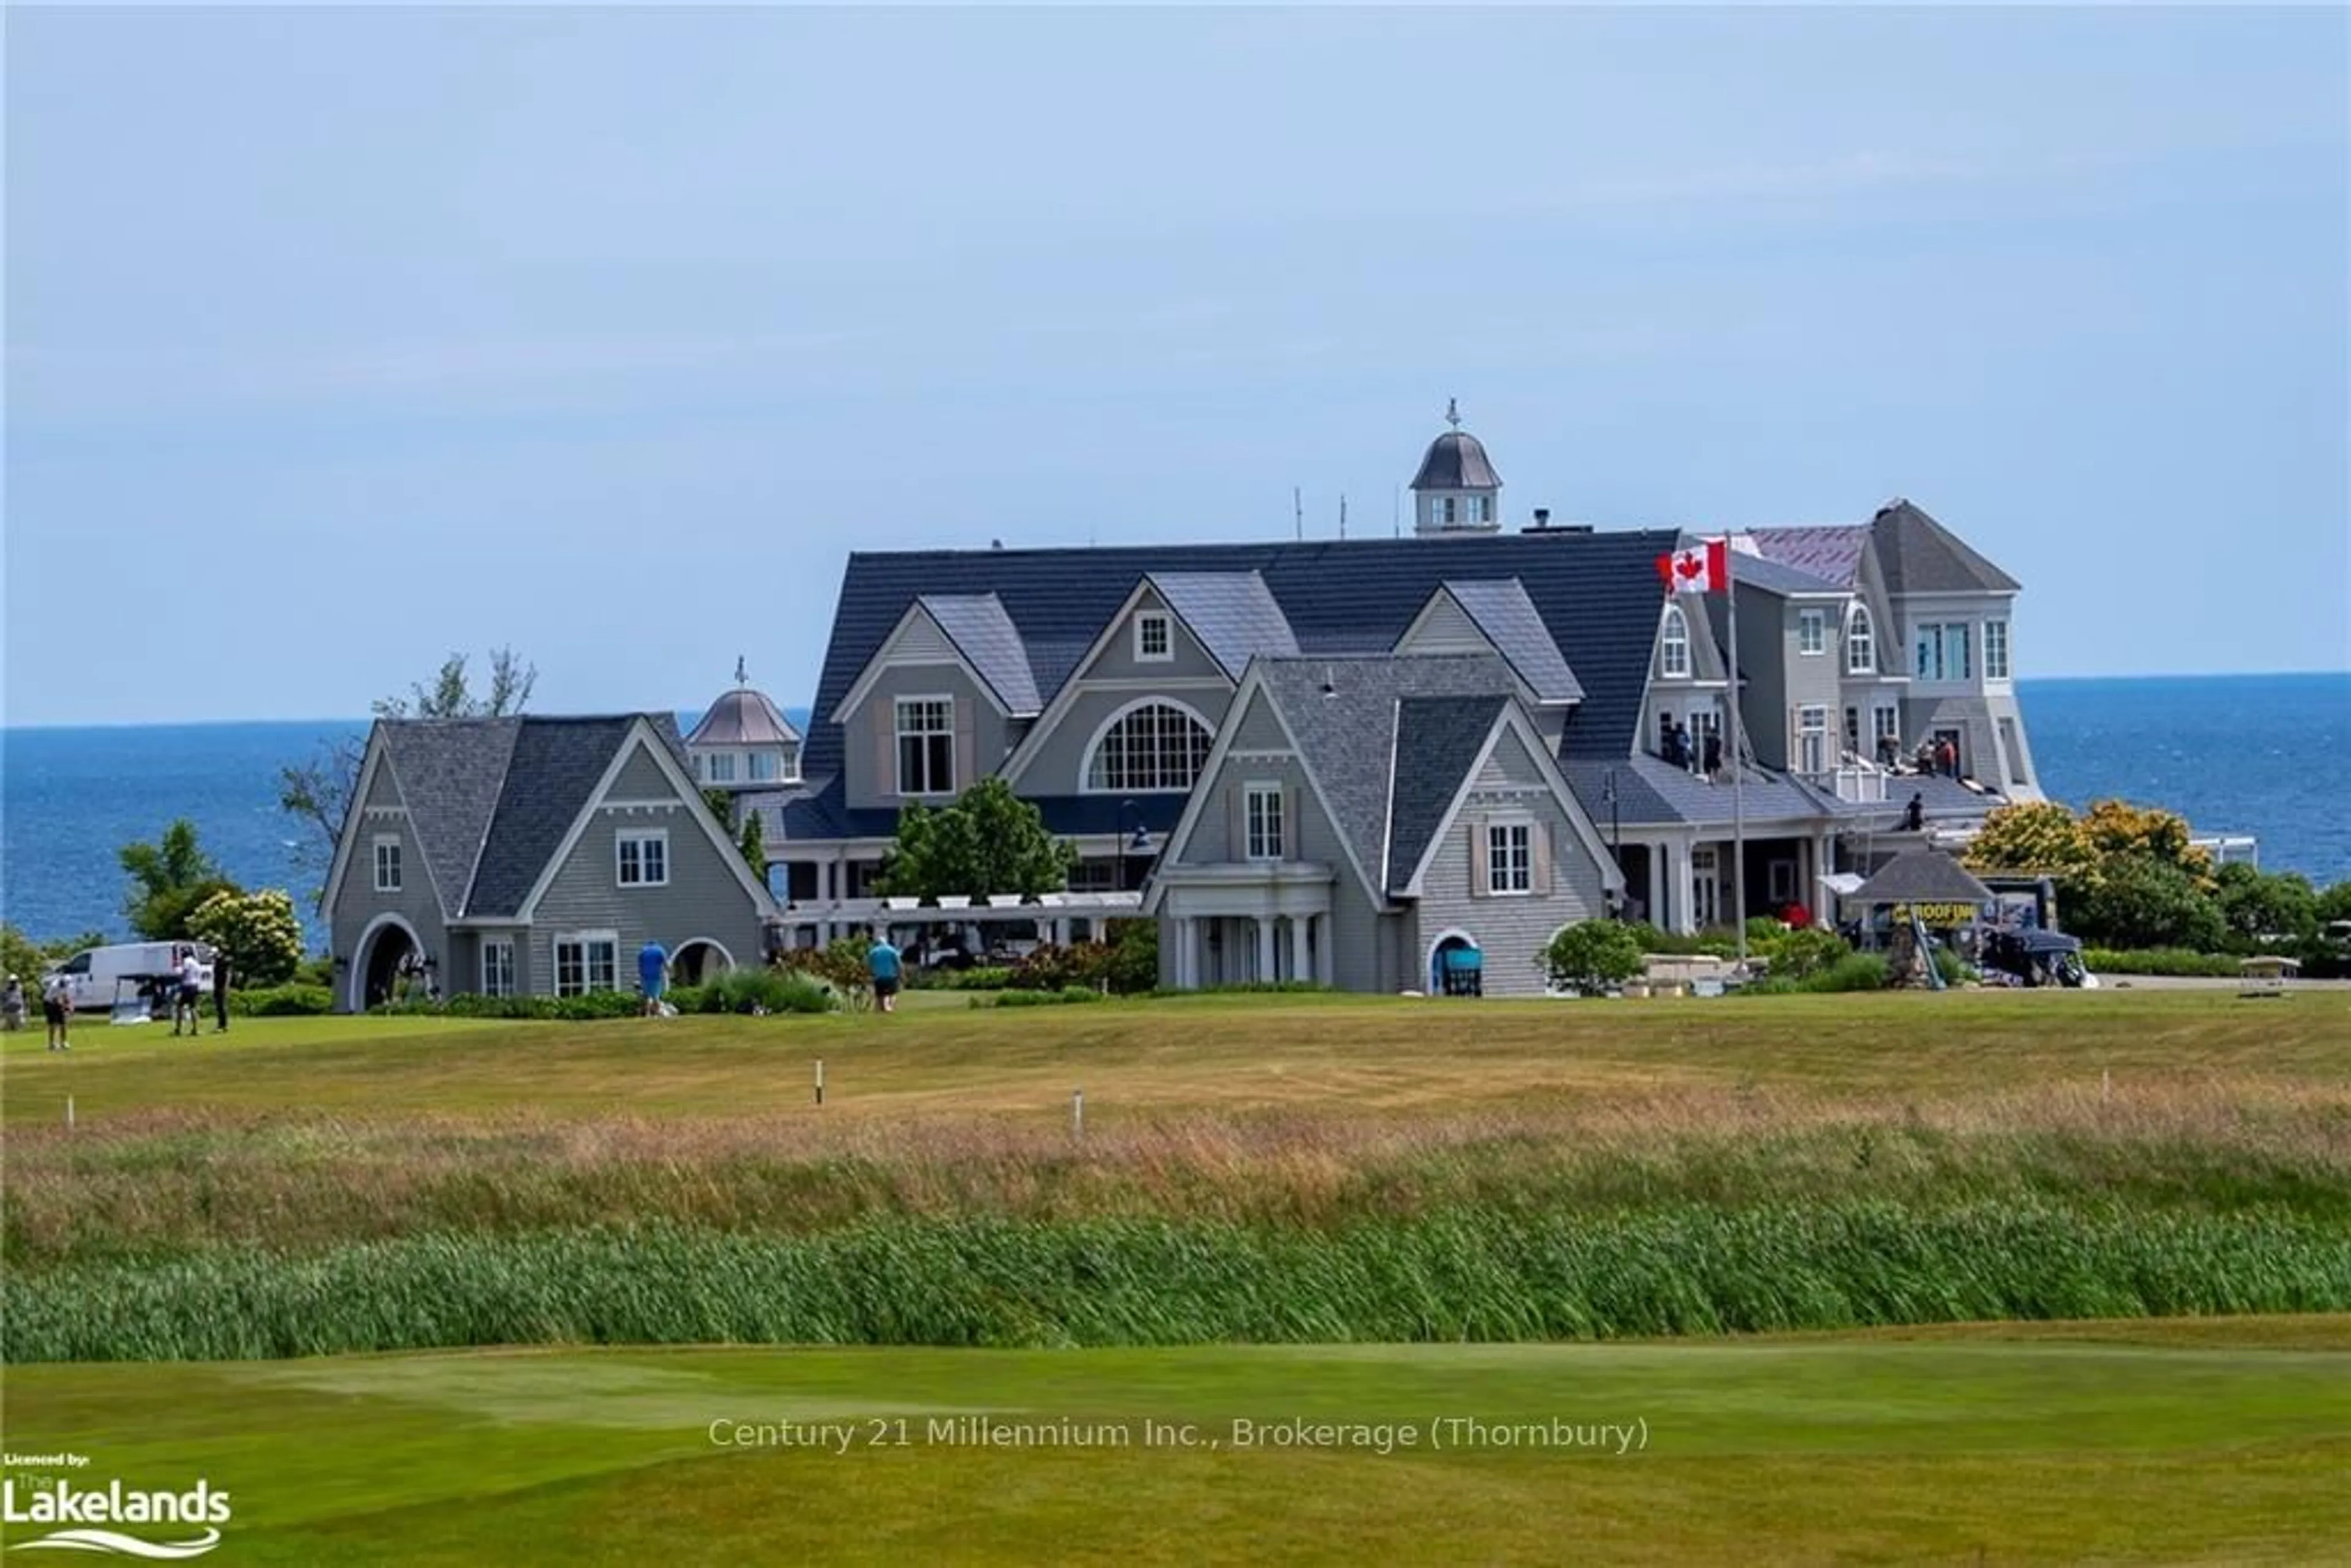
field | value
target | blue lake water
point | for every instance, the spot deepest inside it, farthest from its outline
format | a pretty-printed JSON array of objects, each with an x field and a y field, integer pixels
[{"x": 2240, "y": 754}]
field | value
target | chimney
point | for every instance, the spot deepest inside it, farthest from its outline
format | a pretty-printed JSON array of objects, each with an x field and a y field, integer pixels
[{"x": 1543, "y": 517}]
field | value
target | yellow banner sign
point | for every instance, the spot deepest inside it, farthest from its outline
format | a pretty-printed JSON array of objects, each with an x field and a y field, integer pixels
[{"x": 1937, "y": 913}]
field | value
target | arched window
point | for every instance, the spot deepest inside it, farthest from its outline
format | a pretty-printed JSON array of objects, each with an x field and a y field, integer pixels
[
  {"x": 1673, "y": 656},
  {"x": 1860, "y": 643},
  {"x": 1154, "y": 745}
]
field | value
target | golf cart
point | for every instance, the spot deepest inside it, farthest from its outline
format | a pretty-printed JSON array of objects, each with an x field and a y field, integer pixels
[{"x": 2036, "y": 958}]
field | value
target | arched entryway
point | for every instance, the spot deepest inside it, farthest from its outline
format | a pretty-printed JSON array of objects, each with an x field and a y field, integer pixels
[
  {"x": 1456, "y": 965},
  {"x": 699, "y": 961},
  {"x": 385, "y": 948}
]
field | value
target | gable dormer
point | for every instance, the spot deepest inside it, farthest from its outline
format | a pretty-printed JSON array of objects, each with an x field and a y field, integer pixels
[{"x": 933, "y": 710}]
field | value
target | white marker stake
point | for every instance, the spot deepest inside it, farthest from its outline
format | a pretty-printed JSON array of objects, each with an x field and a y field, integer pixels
[
  {"x": 1077, "y": 1113},
  {"x": 2107, "y": 1083},
  {"x": 69, "y": 1113},
  {"x": 819, "y": 1080}
]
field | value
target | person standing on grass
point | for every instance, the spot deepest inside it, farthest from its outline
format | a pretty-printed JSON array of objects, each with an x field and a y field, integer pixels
[
  {"x": 882, "y": 963},
  {"x": 12, "y": 1005},
  {"x": 220, "y": 992},
  {"x": 652, "y": 970},
  {"x": 56, "y": 1006},
  {"x": 190, "y": 1003}
]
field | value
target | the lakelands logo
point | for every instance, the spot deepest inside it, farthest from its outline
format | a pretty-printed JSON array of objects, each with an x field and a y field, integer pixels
[{"x": 88, "y": 1518}]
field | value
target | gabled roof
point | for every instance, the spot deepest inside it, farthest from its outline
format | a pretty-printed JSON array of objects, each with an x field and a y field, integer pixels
[
  {"x": 1511, "y": 622},
  {"x": 1233, "y": 614},
  {"x": 1650, "y": 790},
  {"x": 1598, "y": 594},
  {"x": 1439, "y": 740},
  {"x": 1922, "y": 876},
  {"x": 556, "y": 765},
  {"x": 820, "y": 811},
  {"x": 1345, "y": 715},
  {"x": 980, "y": 630},
  {"x": 1919, "y": 555},
  {"x": 743, "y": 716},
  {"x": 1830, "y": 552},
  {"x": 449, "y": 771}
]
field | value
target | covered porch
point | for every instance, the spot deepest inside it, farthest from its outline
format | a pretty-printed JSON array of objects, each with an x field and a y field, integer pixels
[{"x": 1233, "y": 924}]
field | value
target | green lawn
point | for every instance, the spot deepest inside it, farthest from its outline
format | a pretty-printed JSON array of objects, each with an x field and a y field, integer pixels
[{"x": 2199, "y": 1442}]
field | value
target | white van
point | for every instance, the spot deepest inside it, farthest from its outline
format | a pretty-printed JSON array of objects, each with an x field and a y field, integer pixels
[{"x": 95, "y": 976}]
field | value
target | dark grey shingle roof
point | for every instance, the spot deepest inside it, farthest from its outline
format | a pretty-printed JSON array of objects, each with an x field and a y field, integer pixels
[
  {"x": 555, "y": 767},
  {"x": 1922, "y": 876},
  {"x": 1437, "y": 742},
  {"x": 1457, "y": 461},
  {"x": 1233, "y": 614},
  {"x": 1349, "y": 738},
  {"x": 1919, "y": 555},
  {"x": 1597, "y": 593},
  {"x": 1512, "y": 623},
  {"x": 1649, "y": 791},
  {"x": 976, "y": 624},
  {"x": 822, "y": 813},
  {"x": 449, "y": 772}
]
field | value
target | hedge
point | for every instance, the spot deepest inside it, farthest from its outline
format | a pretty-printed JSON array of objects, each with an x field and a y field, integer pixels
[{"x": 2158, "y": 961}]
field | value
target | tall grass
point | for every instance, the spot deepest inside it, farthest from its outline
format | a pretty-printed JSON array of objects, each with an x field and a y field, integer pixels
[{"x": 1443, "y": 1276}]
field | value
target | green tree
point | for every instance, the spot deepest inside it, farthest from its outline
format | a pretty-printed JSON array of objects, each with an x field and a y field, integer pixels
[
  {"x": 2117, "y": 827},
  {"x": 755, "y": 845},
  {"x": 2258, "y": 906},
  {"x": 258, "y": 931},
  {"x": 27, "y": 960},
  {"x": 1592, "y": 955},
  {"x": 318, "y": 793},
  {"x": 2146, "y": 901},
  {"x": 988, "y": 840},
  {"x": 169, "y": 879}
]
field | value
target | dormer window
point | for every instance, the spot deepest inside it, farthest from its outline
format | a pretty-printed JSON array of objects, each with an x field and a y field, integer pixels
[
  {"x": 1443, "y": 507},
  {"x": 1672, "y": 643},
  {"x": 1860, "y": 643},
  {"x": 1154, "y": 637},
  {"x": 719, "y": 768},
  {"x": 765, "y": 765}
]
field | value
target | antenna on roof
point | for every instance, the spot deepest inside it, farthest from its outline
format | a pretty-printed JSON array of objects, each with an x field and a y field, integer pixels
[
  {"x": 1343, "y": 517},
  {"x": 1395, "y": 513},
  {"x": 1298, "y": 510}
]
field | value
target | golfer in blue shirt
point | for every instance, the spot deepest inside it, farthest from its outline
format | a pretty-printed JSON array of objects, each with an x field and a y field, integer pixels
[
  {"x": 882, "y": 963},
  {"x": 652, "y": 972}
]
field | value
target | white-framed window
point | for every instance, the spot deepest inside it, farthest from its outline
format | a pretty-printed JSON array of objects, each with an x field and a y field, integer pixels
[
  {"x": 387, "y": 862},
  {"x": 1929, "y": 665},
  {"x": 1812, "y": 739},
  {"x": 1672, "y": 643},
  {"x": 765, "y": 767},
  {"x": 1956, "y": 659},
  {"x": 1705, "y": 887},
  {"x": 1261, "y": 813},
  {"x": 1510, "y": 858},
  {"x": 1152, "y": 746},
  {"x": 1853, "y": 729},
  {"x": 641, "y": 857},
  {"x": 1812, "y": 632},
  {"x": 1154, "y": 637},
  {"x": 791, "y": 764},
  {"x": 1945, "y": 652},
  {"x": 1480, "y": 509},
  {"x": 1705, "y": 726},
  {"x": 1885, "y": 722},
  {"x": 498, "y": 967},
  {"x": 1442, "y": 508},
  {"x": 587, "y": 961},
  {"x": 1995, "y": 649},
  {"x": 718, "y": 766},
  {"x": 1860, "y": 642},
  {"x": 926, "y": 745}
]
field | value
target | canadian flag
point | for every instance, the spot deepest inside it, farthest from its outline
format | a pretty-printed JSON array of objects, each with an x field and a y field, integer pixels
[{"x": 1703, "y": 567}]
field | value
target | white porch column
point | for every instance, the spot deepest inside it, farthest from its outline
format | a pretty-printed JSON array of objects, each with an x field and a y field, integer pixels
[
  {"x": 1685, "y": 885},
  {"x": 1823, "y": 901},
  {"x": 1325, "y": 962},
  {"x": 1265, "y": 948},
  {"x": 1187, "y": 952},
  {"x": 1298, "y": 960}
]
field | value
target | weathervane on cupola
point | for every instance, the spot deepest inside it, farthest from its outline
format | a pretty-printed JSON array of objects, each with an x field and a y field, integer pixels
[
  {"x": 1453, "y": 412},
  {"x": 741, "y": 678}
]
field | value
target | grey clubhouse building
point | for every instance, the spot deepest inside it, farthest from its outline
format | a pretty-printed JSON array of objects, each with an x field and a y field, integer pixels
[
  {"x": 1372, "y": 763},
  {"x": 1341, "y": 759}
]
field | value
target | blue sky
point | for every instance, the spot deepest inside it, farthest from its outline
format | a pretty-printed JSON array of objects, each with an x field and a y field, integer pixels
[{"x": 338, "y": 339}]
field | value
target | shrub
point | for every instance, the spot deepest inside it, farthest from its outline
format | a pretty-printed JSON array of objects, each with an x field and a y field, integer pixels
[
  {"x": 1051, "y": 967},
  {"x": 1240, "y": 988},
  {"x": 1039, "y": 999},
  {"x": 1801, "y": 954},
  {"x": 2140, "y": 901},
  {"x": 1853, "y": 972},
  {"x": 469, "y": 1005},
  {"x": 2156, "y": 961},
  {"x": 281, "y": 1002},
  {"x": 771, "y": 991},
  {"x": 1133, "y": 962},
  {"x": 1719, "y": 941},
  {"x": 979, "y": 978},
  {"x": 1592, "y": 955},
  {"x": 1953, "y": 968}
]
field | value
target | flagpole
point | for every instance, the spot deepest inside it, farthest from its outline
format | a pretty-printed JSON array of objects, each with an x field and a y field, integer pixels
[{"x": 1738, "y": 769}]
